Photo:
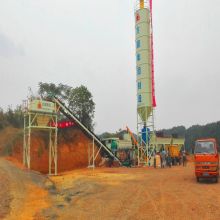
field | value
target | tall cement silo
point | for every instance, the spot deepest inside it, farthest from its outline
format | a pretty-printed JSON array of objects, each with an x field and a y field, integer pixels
[{"x": 145, "y": 74}]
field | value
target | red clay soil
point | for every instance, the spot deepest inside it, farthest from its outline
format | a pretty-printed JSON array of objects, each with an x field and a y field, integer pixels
[
  {"x": 16, "y": 162},
  {"x": 135, "y": 194},
  {"x": 108, "y": 193},
  {"x": 72, "y": 151}
]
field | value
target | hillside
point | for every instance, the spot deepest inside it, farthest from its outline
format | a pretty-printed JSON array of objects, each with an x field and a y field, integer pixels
[
  {"x": 72, "y": 148},
  {"x": 211, "y": 130},
  {"x": 7, "y": 137}
]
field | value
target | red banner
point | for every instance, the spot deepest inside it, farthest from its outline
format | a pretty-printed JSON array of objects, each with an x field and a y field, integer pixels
[
  {"x": 62, "y": 124},
  {"x": 152, "y": 59}
]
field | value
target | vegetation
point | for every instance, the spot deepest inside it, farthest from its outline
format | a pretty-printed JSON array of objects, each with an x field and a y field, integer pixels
[
  {"x": 179, "y": 131},
  {"x": 79, "y": 100},
  {"x": 191, "y": 134},
  {"x": 7, "y": 147},
  {"x": 195, "y": 132},
  {"x": 11, "y": 117},
  {"x": 118, "y": 134}
]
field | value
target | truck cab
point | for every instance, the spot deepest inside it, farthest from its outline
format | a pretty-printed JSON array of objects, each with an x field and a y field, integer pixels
[{"x": 206, "y": 159}]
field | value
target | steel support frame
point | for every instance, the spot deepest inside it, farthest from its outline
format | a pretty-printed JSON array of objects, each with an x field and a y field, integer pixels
[
  {"x": 144, "y": 149},
  {"x": 30, "y": 125},
  {"x": 53, "y": 151},
  {"x": 92, "y": 155}
]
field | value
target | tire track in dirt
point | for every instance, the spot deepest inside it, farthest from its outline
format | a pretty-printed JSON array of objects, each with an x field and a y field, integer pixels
[
  {"x": 128, "y": 205},
  {"x": 155, "y": 194},
  {"x": 133, "y": 205}
]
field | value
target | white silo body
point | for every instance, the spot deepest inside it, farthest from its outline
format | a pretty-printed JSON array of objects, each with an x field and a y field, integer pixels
[{"x": 143, "y": 61}]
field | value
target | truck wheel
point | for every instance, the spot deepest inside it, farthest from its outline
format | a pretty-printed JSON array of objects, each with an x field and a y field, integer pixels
[
  {"x": 197, "y": 178},
  {"x": 216, "y": 179}
]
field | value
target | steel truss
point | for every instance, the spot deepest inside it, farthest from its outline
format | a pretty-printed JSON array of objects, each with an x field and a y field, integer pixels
[
  {"x": 31, "y": 124},
  {"x": 92, "y": 154},
  {"x": 145, "y": 150}
]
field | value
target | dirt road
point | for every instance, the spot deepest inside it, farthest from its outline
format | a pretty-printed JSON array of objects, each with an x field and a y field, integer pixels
[
  {"x": 117, "y": 193},
  {"x": 125, "y": 193},
  {"x": 22, "y": 193}
]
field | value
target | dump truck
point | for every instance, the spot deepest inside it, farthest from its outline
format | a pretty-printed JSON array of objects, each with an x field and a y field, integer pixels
[
  {"x": 206, "y": 159},
  {"x": 175, "y": 153}
]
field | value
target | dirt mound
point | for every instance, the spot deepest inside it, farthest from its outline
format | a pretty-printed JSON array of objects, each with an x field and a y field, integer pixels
[
  {"x": 5, "y": 196},
  {"x": 72, "y": 150},
  {"x": 22, "y": 192}
]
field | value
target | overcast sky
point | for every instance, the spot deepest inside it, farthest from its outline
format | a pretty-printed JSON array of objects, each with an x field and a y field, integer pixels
[{"x": 92, "y": 42}]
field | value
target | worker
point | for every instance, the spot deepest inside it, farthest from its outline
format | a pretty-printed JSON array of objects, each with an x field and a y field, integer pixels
[
  {"x": 169, "y": 160},
  {"x": 158, "y": 159},
  {"x": 154, "y": 154},
  {"x": 184, "y": 158},
  {"x": 180, "y": 158},
  {"x": 155, "y": 164},
  {"x": 163, "y": 158}
]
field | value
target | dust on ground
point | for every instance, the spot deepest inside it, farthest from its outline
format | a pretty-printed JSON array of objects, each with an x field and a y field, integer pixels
[
  {"x": 134, "y": 193},
  {"x": 112, "y": 193},
  {"x": 22, "y": 192}
]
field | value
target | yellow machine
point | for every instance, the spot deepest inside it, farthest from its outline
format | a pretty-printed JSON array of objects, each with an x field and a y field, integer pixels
[{"x": 174, "y": 150}]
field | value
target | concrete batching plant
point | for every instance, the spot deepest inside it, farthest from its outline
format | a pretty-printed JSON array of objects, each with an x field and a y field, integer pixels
[{"x": 146, "y": 101}]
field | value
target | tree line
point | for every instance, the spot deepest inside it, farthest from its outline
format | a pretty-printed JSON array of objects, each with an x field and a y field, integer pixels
[
  {"x": 79, "y": 100},
  {"x": 11, "y": 117},
  {"x": 191, "y": 134}
]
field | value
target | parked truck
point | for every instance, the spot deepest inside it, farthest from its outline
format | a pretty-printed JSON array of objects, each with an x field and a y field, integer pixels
[
  {"x": 206, "y": 159},
  {"x": 175, "y": 153}
]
